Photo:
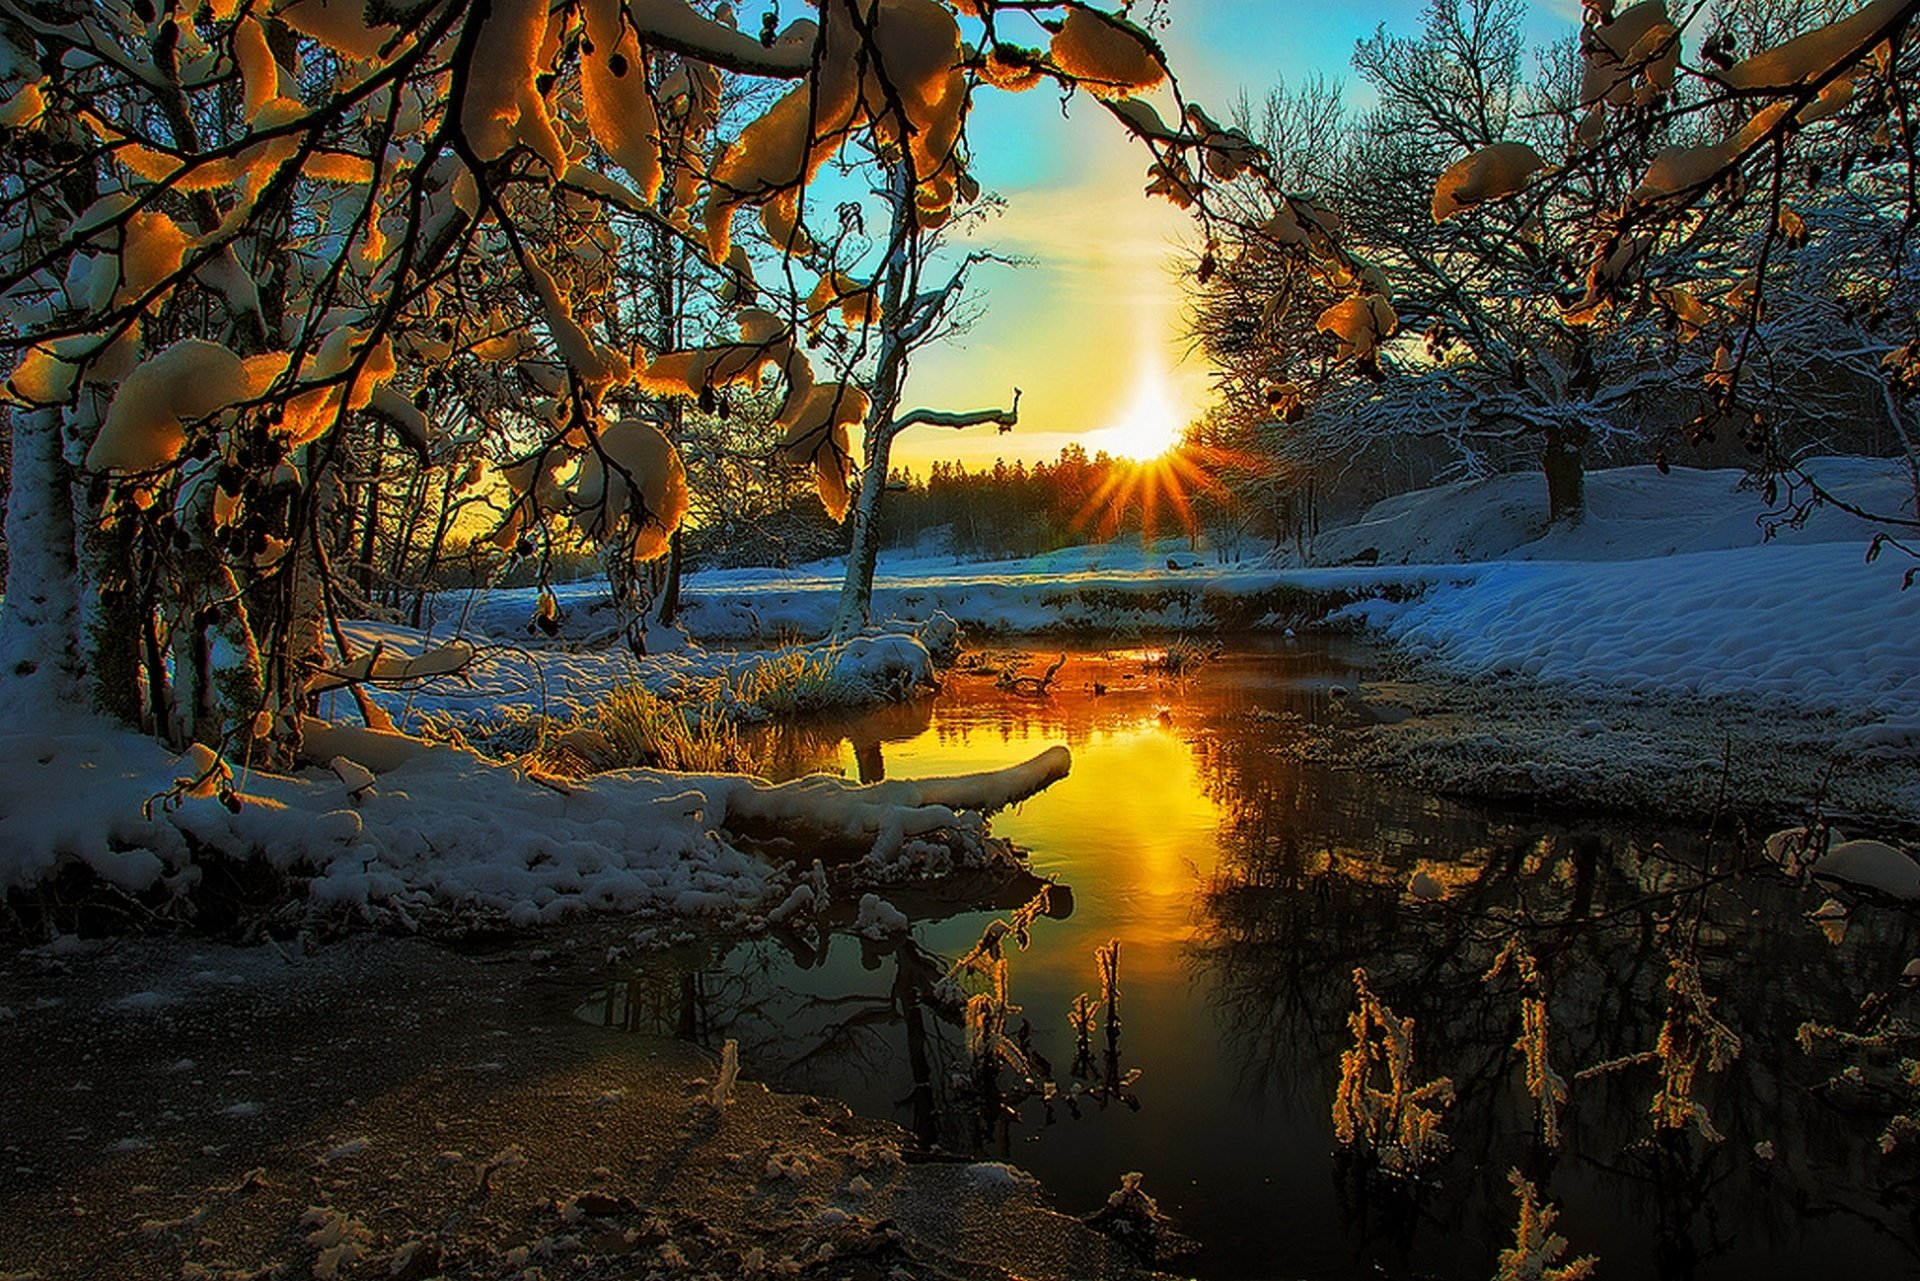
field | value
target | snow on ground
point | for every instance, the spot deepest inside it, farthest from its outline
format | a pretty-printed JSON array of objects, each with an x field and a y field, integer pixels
[
  {"x": 1632, "y": 513},
  {"x": 1670, "y": 584},
  {"x": 441, "y": 829},
  {"x": 1812, "y": 626},
  {"x": 1116, "y": 587},
  {"x": 1665, "y": 591},
  {"x": 564, "y": 677}
]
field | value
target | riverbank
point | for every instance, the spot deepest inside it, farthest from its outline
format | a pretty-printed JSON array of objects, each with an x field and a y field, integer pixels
[
  {"x": 397, "y": 1108},
  {"x": 1686, "y": 647},
  {"x": 1682, "y": 759}
]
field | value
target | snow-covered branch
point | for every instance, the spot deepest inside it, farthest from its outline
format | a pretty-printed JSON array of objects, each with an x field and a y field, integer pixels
[{"x": 1005, "y": 419}]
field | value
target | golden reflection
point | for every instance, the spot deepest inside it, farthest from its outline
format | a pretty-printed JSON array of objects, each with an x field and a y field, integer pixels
[
  {"x": 1149, "y": 804},
  {"x": 1136, "y": 812}
]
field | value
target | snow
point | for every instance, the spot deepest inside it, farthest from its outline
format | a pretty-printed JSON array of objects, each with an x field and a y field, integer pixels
[
  {"x": 1632, "y": 513},
  {"x": 145, "y": 427},
  {"x": 449, "y": 830},
  {"x": 1669, "y": 584},
  {"x": 505, "y": 672},
  {"x": 1670, "y": 587},
  {"x": 1108, "y": 55},
  {"x": 1871, "y": 865},
  {"x": 999, "y": 1176},
  {"x": 1812, "y": 626},
  {"x": 1666, "y": 589},
  {"x": 879, "y": 919},
  {"x": 1483, "y": 175}
]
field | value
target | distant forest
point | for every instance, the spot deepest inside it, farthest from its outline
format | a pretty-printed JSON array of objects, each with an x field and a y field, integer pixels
[{"x": 1013, "y": 509}]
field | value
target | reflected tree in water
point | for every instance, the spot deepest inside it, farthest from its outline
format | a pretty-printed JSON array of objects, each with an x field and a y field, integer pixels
[{"x": 1625, "y": 935}]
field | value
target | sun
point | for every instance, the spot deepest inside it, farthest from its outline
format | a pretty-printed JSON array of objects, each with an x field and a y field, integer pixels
[{"x": 1150, "y": 425}]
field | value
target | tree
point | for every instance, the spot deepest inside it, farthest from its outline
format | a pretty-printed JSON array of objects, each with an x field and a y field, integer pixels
[
  {"x": 264, "y": 263},
  {"x": 913, "y": 317},
  {"x": 250, "y": 249},
  {"x": 1540, "y": 302}
]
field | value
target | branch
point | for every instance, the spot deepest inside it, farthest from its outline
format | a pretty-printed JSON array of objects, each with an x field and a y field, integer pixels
[
  {"x": 1006, "y": 419},
  {"x": 673, "y": 25},
  {"x": 925, "y": 309}
]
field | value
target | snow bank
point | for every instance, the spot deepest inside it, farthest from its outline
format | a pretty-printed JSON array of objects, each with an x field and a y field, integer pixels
[
  {"x": 1871, "y": 865},
  {"x": 1115, "y": 588},
  {"x": 564, "y": 679},
  {"x": 1632, "y": 513},
  {"x": 1811, "y": 626},
  {"x": 443, "y": 829}
]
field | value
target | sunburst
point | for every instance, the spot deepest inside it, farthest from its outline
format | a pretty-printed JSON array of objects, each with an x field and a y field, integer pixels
[
  {"x": 1163, "y": 469},
  {"x": 1162, "y": 489},
  {"x": 1150, "y": 425}
]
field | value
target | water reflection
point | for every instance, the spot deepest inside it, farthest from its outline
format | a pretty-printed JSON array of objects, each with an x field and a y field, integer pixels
[{"x": 1245, "y": 887}]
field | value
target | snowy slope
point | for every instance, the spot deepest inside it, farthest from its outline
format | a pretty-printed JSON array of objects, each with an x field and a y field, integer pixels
[
  {"x": 1632, "y": 513},
  {"x": 1813, "y": 626}
]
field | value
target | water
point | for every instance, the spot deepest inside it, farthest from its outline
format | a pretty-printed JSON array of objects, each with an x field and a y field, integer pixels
[{"x": 1244, "y": 888}]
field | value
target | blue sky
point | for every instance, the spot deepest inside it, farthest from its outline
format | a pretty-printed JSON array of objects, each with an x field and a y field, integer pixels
[{"x": 1090, "y": 330}]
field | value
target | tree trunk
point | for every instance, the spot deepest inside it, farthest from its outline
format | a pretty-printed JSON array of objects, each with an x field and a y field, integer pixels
[
  {"x": 1566, "y": 478},
  {"x": 370, "y": 530},
  {"x": 863, "y": 552},
  {"x": 670, "y": 591},
  {"x": 217, "y": 665},
  {"x": 889, "y": 380},
  {"x": 115, "y": 626},
  {"x": 41, "y": 655},
  {"x": 668, "y": 258}
]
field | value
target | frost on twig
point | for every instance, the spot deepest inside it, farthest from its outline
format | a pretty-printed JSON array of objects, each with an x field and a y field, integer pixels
[
  {"x": 1378, "y": 1109},
  {"x": 986, "y": 1014},
  {"x": 1691, "y": 1038},
  {"x": 1546, "y": 1087},
  {"x": 1537, "y": 1248},
  {"x": 1880, "y": 1062}
]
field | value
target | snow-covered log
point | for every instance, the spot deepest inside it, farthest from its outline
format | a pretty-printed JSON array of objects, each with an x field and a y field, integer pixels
[
  {"x": 914, "y": 806},
  {"x": 447, "y": 832}
]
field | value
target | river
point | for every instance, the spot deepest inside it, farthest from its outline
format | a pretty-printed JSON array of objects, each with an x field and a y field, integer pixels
[{"x": 1244, "y": 888}]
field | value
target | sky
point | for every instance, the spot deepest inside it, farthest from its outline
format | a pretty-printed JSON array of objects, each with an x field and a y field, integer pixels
[{"x": 1090, "y": 327}]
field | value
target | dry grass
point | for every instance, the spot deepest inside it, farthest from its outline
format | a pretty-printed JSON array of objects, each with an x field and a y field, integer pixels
[
  {"x": 791, "y": 684},
  {"x": 1186, "y": 655},
  {"x": 631, "y": 727},
  {"x": 636, "y": 727}
]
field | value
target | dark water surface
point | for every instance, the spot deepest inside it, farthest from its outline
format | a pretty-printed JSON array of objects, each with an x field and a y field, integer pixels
[{"x": 1244, "y": 889}]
